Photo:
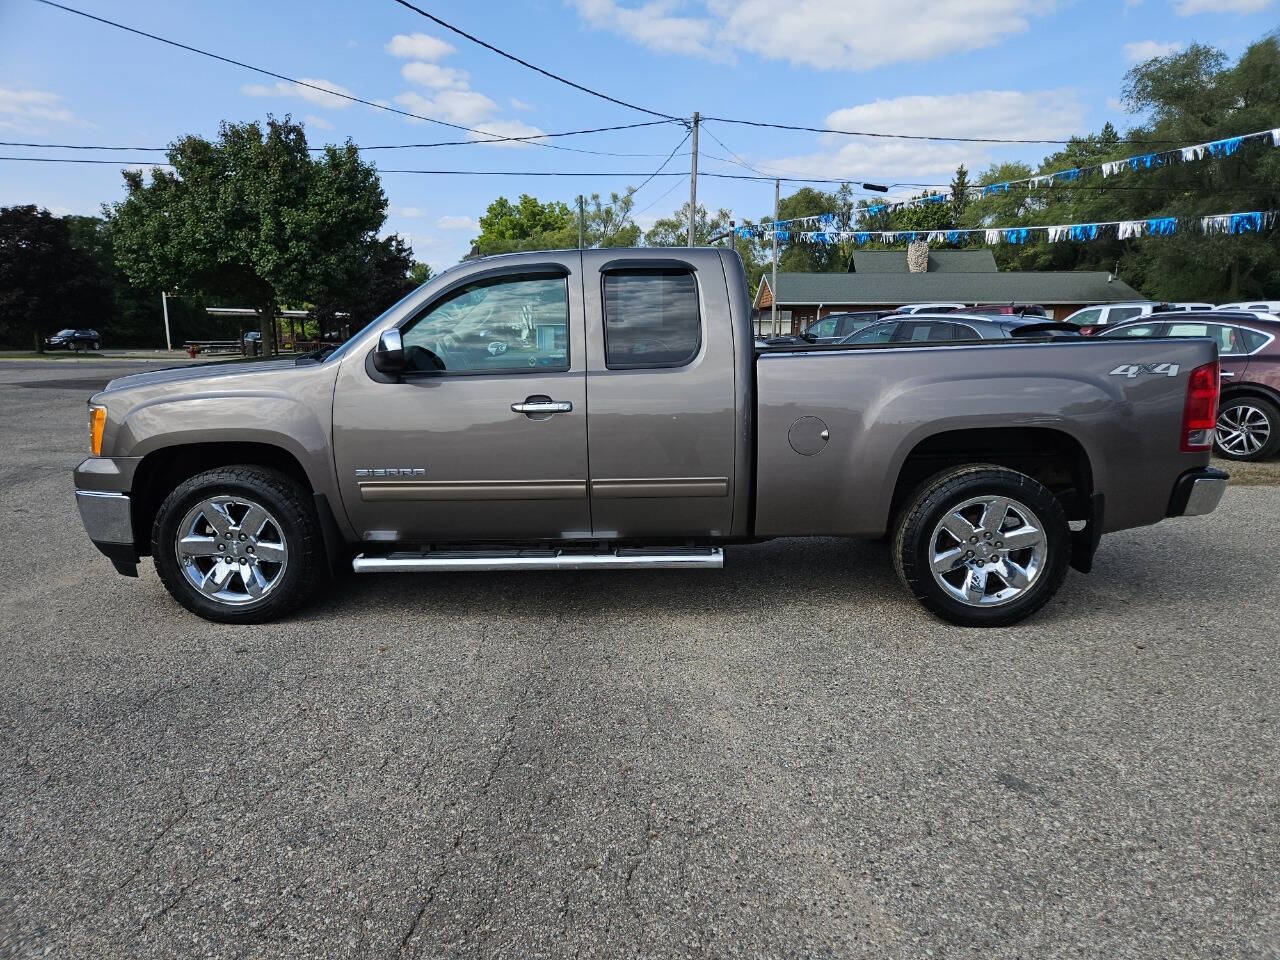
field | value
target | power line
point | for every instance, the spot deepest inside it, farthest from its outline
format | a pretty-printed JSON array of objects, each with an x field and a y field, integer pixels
[
  {"x": 595, "y": 173},
  {"x": 903, "y": 136},
  {"x": 393, "y": 146},
  {"x": 632, "y": 192},
  {"x": 525, "y": 63},
  {"x": 491, "y": 137}
]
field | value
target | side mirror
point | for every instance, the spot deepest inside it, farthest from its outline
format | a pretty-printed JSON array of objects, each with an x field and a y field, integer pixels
[{"x": 388, "y": 357}]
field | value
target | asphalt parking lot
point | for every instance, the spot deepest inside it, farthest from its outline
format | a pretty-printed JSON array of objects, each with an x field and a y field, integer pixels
[{"x": 786, "y": 758}]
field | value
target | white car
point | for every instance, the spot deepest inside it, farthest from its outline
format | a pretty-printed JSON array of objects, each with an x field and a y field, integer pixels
[
  {"x": 921, "y": 307},
  {"x": 1254, "y": 306},
  {"x": 1107, "y": 313},
  {"x": 1182, "y": 307}
]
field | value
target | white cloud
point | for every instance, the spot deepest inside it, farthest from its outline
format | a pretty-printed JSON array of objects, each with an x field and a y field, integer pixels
[
  {"x": 1188, "y": 8},
  {"x": 1144, "y": 50},
  {"x": 418, "y": 46},
  {"x": 455, "y": 223},
  {"x": 1044, "y": 114},
  {"x": 308, "y": 93},
  {"x": 33, "y": 110},
  {"x": 518, "y": 104},
  {"x": 652, "y": 26},
  {"x": 465, "y": 107},
  {"x": 508, "y": 128},
  {"x": 434, "y": 76},
  {"x": 409, "y": 213},
  {"x": 848, "y": 35},
  {"x": 320, "y": 123},
  {"x": 451, "y": 98}
]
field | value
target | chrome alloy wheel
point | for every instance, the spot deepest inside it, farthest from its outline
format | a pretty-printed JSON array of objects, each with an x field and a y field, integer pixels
[
  {"x": 231, "y": 550},
  {"x": 1242, "y": 429},
  {"x": 988, "y": 551}
]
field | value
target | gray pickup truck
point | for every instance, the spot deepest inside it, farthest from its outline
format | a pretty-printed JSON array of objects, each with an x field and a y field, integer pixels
[{"x": 580, "y": 410}]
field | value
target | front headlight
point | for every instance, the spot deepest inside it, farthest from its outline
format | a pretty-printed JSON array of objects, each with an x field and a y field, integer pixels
[{"x": 97, "y": 420}]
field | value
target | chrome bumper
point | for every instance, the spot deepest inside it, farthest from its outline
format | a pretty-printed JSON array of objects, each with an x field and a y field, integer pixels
[
  {"x": 1198, "y": 492},
  {"x": 108, "y": 519},
  {"x": 107, "y": 516},
  {"x": 1206, "y": 494}
]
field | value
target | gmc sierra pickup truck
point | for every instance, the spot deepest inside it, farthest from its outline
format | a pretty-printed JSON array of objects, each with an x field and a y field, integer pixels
[{"x": 580, "y": 410}]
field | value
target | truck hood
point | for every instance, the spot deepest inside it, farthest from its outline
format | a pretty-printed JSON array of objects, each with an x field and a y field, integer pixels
[{"x": 200, "y": 371}]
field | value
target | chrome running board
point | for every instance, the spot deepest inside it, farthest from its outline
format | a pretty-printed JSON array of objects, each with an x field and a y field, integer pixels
[{"x": 670, "y": 558}]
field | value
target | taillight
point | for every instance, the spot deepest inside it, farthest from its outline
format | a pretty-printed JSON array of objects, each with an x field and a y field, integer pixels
[{"x": 1200, "y": 412}]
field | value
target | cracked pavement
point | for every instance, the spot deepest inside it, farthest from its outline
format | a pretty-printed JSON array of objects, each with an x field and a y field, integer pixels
[{"x": 786, "y": 758}]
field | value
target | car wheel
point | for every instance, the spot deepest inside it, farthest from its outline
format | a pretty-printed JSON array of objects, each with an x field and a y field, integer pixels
[
  {"x": 1248, "y": 429},
  {"x": 95, "y": 345},
  {"x": 238, "y": 544},
  {"x": 982, "y": 545}
]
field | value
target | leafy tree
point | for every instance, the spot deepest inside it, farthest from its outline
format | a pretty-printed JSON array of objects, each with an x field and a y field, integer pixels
[
  {"x": 609, "y": 224},
  {"x": 673, "y": 231},
  {"x": 527, "y": 224},
  {"x": 252, "y": 216},
  {"x": 385, "y": 277},
  {"x": 420, "y": 273},
  {"x": 45, "y": 281},
  {"x": 959, "y": 202}
]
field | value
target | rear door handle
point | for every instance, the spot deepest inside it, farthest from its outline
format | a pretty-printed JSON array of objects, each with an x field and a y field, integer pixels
[{"x": 542, "y": 406}]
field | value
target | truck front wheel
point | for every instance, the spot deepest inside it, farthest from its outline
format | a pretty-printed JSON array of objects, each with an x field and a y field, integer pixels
[
  {"x": 238, "y": 544},
  {"x": 982, "y": 545}
]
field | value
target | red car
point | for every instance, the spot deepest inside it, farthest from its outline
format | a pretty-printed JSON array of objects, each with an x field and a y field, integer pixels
[{"x": 1249, "y": 352}]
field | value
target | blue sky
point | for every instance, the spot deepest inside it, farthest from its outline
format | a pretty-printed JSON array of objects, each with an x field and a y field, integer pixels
[{"x": 1011, "y": 68}]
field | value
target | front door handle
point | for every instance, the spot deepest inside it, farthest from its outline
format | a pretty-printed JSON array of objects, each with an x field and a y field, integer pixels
[{"x": 534, "y": 407}]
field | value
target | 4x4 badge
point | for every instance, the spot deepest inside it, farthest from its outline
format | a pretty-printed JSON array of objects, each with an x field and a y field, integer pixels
[{"x": 1132, "y": 370}]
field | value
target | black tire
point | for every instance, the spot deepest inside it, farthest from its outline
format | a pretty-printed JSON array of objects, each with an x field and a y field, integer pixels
[
  {"x": 913, "y": 542},
  {"x": 95, "y": 345},
  {"x": 1269, "y": 411},
  {"x": 286, "y": 500}
]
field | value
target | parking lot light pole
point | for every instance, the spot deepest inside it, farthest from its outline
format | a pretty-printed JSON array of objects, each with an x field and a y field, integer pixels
[
  {"x": 773, "y": 292},
  {"x": 164, "y": 305}
]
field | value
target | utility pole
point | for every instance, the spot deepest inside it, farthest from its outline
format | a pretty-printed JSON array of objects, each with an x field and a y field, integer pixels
[
  {"x": 581, "y": 218},
  {"x": 773, "y": 286},
  {"x": 693, "y": 181},
  {"x": 164, "y": 305}
]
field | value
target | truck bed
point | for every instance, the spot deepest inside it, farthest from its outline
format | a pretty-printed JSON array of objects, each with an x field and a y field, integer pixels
[{"x": 885, "y": 408}]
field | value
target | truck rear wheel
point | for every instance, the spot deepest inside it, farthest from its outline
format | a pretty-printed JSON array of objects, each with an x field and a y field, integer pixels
[
  {"x": 238, "y": 544},
  {"x": 982, "y": 545}
]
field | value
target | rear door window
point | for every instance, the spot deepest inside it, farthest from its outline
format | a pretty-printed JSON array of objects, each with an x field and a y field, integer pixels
[
  {"x": 1116, "y": 314},
  {"x": 1137, "y": 330},
  {"x": 1086, "y": 317},
  {"x": 925, "y": 331},
  {"x": 651, "y": 318},
  {"x": 1252, "y": 339},
  {"x": 877, "y": 333},
  {"x": 1228, "y": 338},
  {"x": 823, "y": 328}
]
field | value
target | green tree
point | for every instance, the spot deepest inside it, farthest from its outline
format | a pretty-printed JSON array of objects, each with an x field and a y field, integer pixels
[
  {"x": 385, "y": 277},
  {"x": 252, "y": 216},
  {"x": 45, "y": 281},
  {"x": 420, "y": 273},
  {"x": 960, "y": 189},
  {"x": 609, "y": 224},
  {"x": 673, "y": 231},
  {"x": 1193, "y": 97},
  {"x": 527, "y": 224}
]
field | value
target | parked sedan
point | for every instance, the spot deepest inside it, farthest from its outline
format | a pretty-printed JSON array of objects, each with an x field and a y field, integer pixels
[
  {"x": 954, "y": 326},
  {"x": 74, "y": 340},
  {"x": 1249, "y": 355},
  {"x": 832, "y": 328}
]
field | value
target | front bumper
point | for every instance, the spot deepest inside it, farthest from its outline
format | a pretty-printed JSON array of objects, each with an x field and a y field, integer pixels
[
  {"x": 108, "y": 519},
  {"x": 1197, "y": 492}
]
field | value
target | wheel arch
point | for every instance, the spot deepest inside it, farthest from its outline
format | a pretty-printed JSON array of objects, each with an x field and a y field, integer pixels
[
  {"x": 162, "y": 469},
  {"x": 1053, "y": 457}
]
